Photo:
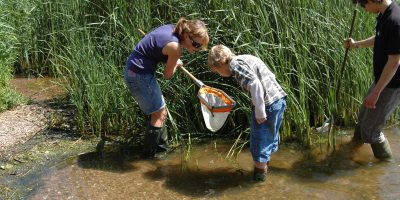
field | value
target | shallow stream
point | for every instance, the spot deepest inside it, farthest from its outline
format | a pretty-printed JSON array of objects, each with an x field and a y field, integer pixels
[{"x": 294, "y": 173}]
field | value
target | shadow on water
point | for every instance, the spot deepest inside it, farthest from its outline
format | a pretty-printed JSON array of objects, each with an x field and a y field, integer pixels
[
  {"x": 178, "y": 176},
  {"x": 200, "y": 182},
  {"x": 116, "y": 158},
  {"x": 339, "y": 159}
]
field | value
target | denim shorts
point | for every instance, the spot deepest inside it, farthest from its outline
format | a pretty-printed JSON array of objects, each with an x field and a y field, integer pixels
[
  {"x": 145, "y": 90},
  {"x": 264, "y": 138}
]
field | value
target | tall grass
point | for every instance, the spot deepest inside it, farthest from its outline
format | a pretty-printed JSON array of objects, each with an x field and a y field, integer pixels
[
  {"x": 8, "y": 56},
  {"x": 87, "y": 42}
]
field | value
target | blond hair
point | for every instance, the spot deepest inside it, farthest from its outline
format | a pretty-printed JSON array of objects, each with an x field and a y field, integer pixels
[
  {"x": 196, "y": 28},
  {"x": 218, "y": 55}
]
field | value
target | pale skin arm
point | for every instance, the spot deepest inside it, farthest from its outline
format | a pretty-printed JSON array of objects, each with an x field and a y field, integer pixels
[
  {"x": 352, "y": 44},
  {"x": 173, "y": 51},
  {"x": 387, "y": 74}
]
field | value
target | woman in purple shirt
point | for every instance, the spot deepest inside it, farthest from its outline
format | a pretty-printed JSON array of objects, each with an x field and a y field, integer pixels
[{"x": 162, "y": 45}]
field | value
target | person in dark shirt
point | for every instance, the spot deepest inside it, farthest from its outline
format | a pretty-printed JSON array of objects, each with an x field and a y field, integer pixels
[
  {"x": 383, "y": 96},
  {"x": 164, "y": 44}
]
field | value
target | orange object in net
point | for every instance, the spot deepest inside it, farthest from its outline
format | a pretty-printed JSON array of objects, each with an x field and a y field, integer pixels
[{"x": 215, "y": 100}]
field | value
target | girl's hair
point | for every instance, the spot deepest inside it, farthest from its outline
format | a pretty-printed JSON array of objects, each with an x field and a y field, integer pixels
[
  {"x": 218, "y": 55},
  {"x": 195, "y": 28}
]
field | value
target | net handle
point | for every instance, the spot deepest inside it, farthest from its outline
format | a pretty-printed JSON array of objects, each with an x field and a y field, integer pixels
[{"x": 197, "y": 81}]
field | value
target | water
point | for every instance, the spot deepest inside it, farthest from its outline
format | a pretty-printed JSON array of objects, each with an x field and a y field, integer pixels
[
  {"x": 294, "y": 174},
  {"x": 38, "y": 89}
]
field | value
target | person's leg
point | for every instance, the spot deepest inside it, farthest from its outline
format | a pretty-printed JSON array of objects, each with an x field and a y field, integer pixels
[
  {"x": 147, "y": 93},
  {"x": 158, "y": 122},
  {"x": 280, "y": 107},
  {"x": 265, "y": 137},
  {"x": 158, "y": 118},
  {"x": 156, "y": 138},
  {"x": 356, "y": 141},
  {"x": 258, "y": 140},
  {"x": 374, "y": 121},
  {"x": 357, "y": 130}
]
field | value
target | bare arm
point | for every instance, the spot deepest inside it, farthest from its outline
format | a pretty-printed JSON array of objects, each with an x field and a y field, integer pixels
[
  {"x": 351, "y": 43},
  {"x": 173, "y": 51},
  {"x": 388, "y": 72}
]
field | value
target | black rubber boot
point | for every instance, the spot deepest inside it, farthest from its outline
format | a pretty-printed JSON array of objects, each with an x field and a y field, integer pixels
[
  {"x": 162, "y": 143},
  {"x": 151, "y": 140},
  {"x": 382, "y": 151}
]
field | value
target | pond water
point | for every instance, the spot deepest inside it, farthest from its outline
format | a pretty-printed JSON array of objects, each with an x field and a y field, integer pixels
[
  {"x": 38, "y": 89},
  {"x": 294, "y": 173}
]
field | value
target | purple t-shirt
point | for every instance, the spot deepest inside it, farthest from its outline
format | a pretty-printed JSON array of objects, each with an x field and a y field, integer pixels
[{"x": 148, "y": 52}]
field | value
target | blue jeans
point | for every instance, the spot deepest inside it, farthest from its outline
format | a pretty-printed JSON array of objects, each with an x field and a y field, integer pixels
[
  {"x": 264, "y": 137},
  {"x": 145, "y": 90}
]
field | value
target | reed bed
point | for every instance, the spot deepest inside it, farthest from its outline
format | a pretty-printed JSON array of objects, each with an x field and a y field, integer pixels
[
  {"x": 8, "y": 55},
  {"x": 87, "y": 43}
]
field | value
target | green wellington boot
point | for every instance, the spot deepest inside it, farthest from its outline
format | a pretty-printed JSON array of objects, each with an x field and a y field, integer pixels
[{"x": 382, "y": 151}]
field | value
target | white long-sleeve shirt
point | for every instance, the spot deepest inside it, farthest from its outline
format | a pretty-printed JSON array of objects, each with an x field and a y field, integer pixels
[{"x": 255, "y": 77}]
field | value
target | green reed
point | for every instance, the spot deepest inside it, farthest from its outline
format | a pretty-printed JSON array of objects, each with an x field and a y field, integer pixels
[
  {"x": 9, "y": 53},
  {"x": 87, "y": 43}
]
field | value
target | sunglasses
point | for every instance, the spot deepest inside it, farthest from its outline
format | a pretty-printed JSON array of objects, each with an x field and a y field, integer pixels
[{"x": 194, "y": 43}]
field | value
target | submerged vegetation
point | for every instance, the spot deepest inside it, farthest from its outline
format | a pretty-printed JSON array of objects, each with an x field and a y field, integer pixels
[{"x": 86, "y": 43}]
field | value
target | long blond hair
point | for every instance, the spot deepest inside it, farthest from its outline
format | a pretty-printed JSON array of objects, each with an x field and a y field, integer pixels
[{"x": 196, "y": 28}]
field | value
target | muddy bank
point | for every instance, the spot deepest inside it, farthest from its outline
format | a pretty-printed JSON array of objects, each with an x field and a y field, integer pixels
[{"x": 20, "y": 124}]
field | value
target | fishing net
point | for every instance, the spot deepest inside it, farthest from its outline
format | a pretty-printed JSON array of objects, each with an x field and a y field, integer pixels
[{"x": 215, "y": 106}]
